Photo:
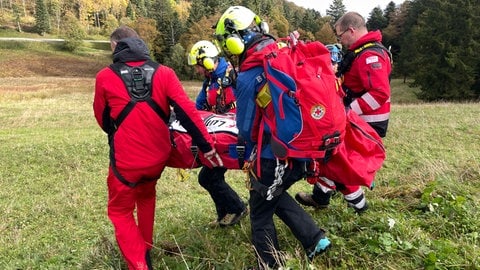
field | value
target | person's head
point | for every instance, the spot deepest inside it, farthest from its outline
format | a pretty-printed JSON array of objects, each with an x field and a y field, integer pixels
[
  {"x": 236, "y": 28},
  {"x": 204, "y": 56},
  {"x": 349, "y": 28},
  {"x": 335, "y": 55},
  {"x": 121, "y": 33}
]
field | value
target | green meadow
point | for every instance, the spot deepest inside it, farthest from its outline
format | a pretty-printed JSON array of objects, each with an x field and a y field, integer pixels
[{"x": 53, "y": 165}]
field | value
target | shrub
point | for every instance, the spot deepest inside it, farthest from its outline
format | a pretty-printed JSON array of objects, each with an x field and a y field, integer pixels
[{"x": 73, "y": 32}]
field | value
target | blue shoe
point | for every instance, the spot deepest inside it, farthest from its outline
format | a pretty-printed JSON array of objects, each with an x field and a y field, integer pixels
[{"x": 321, "y": 247}]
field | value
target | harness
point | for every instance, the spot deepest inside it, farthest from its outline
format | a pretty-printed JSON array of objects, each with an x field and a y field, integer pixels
[
  {"x": 347, "y": 62},
  {"x": 220, "y": 106},
  {"x": 138, "y": 83}
]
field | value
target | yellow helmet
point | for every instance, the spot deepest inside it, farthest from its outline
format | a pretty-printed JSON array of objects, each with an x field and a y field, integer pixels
[
  {"x": 235, "y": 27},
  {"x": 203, "y": 53}
]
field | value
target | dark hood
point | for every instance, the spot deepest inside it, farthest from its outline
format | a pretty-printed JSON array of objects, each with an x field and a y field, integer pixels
[{"x": 130, "y": 50}]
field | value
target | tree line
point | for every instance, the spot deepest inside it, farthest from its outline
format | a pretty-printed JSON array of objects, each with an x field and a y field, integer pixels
[{"x": 435, "y": 43}]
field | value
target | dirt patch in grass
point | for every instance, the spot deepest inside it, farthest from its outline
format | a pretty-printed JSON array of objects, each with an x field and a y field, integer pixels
[
  {"x": 31, "y": 70},
  {"x": 33, "y": 64}
]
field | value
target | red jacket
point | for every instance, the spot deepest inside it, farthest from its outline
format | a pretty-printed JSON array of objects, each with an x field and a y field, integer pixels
[
  {"x": 143, "y": 140},
  {"x": 370, "y": 75}
]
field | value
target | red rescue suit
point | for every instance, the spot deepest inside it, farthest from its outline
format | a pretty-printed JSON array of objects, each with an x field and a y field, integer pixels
[
  {"x": 141, "y": 147},
  {"x": 369, "y": 80}
]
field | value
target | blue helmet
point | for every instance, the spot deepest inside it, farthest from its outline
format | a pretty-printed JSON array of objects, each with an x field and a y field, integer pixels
[{"x": 335, "y": 53}]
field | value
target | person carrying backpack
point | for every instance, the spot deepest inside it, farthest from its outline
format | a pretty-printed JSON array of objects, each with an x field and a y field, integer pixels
[
  {"x": 365, "y": 72},
  {"x": 216, "y": 96},
  {"x": 241, "y": 33},
  {"x": 131, "y": 104}
]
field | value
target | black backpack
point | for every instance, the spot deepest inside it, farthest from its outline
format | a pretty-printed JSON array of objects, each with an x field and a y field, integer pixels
[{"x": 138, "y": 82}]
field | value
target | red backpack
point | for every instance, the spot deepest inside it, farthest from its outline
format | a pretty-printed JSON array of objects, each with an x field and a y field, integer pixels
[{"x": 301, "y": 104}]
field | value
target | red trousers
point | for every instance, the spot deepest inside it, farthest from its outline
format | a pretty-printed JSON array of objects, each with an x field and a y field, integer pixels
[{"x": 134, "y": 235}]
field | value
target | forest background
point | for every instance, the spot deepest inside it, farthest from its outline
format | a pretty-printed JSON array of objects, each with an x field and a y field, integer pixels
[{"x": 434, "y": 42}]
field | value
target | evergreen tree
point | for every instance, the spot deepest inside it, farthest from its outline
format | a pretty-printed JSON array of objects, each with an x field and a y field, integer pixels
[
  {"x": 290, "y": 13},
  {"x": 42, "y": 19},
  {"x": 171, "y": 28},
  {"x": 336, "y": 10},
  {"x": 198, "y": 10},
  {"x": 310, "y": 21},
  {"x": 376, "y": 20},
  {"x": 389, "y": 11},
  {"x": 447, "y": 36},
  {"x": 130, "y": 11},
  {"x": 177, "y": 61},
  {"x": 393, "y": 33},
  {"x": 404, "y": 66},
  {"x": 140, "y": 8}
]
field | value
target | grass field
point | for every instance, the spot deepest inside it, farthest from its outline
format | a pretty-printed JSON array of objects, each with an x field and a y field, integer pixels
[{"x": 423, "y": 214}]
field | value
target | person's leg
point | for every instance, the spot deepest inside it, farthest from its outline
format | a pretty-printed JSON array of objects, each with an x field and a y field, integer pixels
[
  {"x": 264, "y": 236},
  {"x": 319, "y": 198},
  {"x": 230, "y": 208},
  {"x": 146, "y": 199},
  {"x": 300, "y": 222},
  {"x": 355, "y": 197},
  {"x": 204, "y": 179},
  {"x": 121, "y": 206},
  {"x": 284, "y": 206}
]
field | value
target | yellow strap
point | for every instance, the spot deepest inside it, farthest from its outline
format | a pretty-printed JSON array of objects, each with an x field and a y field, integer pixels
[{"x": 368, "y": 45}]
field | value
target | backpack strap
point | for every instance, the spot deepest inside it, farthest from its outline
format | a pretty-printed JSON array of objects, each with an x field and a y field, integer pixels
[
  {"x": 350, "y": 56},
  {"x": 138, "y": 82},
  {"x": 240, "y": 148},
  {"x": 347, "y": 62}
]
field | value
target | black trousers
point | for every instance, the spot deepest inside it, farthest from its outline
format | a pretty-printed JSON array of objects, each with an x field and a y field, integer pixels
[
  {"x": 301, "y": 224},
  {"x": 225, "y": 198}
]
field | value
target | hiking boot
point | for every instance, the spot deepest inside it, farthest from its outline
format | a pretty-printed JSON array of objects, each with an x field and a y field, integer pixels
[
  {"x": 232, "y": 219},
  {"x": 307, "y": 200},
  {"x": 322, "y": 245},
  {"x": 213, "y": 223},
  {"x": 359, "y": 210}
]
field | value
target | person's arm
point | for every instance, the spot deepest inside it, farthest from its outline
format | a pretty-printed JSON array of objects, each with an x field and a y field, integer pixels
[
  {"x": 184, "y": 109},
  {"x": 101, "y": 109}
]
